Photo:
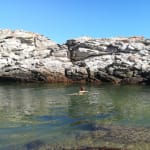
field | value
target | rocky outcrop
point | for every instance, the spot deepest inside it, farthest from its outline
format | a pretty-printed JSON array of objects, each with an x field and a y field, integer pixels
[
  {"x": 26, "y": 56},
  {"x": 117, "y": 60}
]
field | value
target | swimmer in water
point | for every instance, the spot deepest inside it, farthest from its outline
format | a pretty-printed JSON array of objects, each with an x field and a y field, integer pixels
[{"x": 82, "y": 91}]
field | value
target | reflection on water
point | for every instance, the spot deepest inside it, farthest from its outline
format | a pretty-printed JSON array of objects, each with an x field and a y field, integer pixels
[{"x": 48, "y": 115}]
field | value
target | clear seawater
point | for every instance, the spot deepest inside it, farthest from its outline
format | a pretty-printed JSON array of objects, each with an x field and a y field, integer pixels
[{"x": 47, "y": 115}]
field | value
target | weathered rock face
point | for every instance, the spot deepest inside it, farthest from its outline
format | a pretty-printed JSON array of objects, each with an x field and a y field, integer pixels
[
  {"x": 117, "y": 60},
  {"x": 26, "y": 56}
]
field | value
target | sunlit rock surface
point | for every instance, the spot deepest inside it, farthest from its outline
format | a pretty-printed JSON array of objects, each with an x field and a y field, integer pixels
[
  {"x": 27, "y": 56},
  {"x": 117, "y": 60}
]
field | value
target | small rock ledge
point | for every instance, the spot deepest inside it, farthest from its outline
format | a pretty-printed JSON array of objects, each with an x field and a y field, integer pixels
[{"x": 26, "y": 56}]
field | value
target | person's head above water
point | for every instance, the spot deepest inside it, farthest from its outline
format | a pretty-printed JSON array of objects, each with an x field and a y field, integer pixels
[{"x": 82, "y": 88}]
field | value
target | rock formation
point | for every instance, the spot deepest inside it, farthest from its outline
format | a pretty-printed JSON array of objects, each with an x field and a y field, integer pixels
[{"x": 26, "y": 56}]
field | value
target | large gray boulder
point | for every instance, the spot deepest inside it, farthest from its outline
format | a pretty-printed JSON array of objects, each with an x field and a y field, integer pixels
[{"x": 27, "y": 56}]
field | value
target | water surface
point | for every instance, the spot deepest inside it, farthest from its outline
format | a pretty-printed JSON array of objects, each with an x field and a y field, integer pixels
[{"x": 36, "y": 115}]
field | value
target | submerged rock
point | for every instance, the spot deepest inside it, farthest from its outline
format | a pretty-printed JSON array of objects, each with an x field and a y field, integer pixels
[
  {"x": 27, "y": 56},
  {"x": 34, "y": 145},
  {"x": 124, "y": 136}
]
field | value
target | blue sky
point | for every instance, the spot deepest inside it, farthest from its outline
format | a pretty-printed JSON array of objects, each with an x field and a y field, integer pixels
[{"x": 64, "y": 19}]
